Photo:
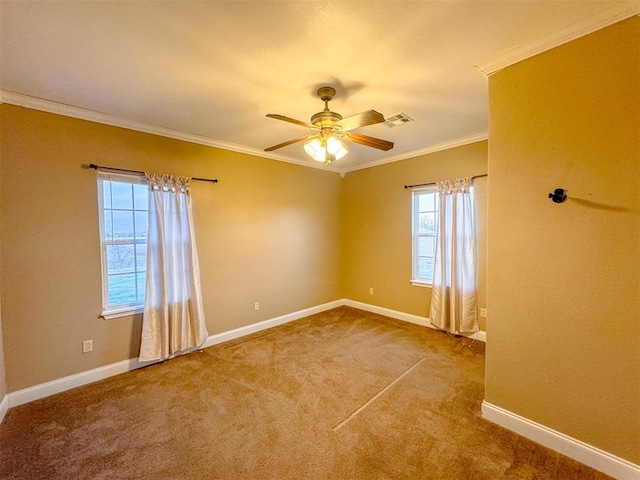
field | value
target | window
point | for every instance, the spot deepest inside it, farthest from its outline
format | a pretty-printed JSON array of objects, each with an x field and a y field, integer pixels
[
  {"x": 425, "y": 226},
  {"x": 123, "y": 201}
]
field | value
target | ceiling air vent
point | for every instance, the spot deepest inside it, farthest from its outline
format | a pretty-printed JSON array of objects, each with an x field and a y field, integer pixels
[{"x": 397, "y": 119}]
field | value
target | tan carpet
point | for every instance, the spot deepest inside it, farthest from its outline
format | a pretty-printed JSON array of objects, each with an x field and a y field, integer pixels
[{"x": 344, "y": 394}]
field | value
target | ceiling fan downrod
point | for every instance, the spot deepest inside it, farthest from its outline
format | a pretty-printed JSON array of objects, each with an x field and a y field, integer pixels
[{"x": 326, "y": 118}]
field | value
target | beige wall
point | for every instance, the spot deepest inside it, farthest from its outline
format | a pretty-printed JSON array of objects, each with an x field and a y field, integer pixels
[
  {"x": 268, "y": 232},
  {"x": 376, "y": 226},
  {"x": 564, "y": 279}
]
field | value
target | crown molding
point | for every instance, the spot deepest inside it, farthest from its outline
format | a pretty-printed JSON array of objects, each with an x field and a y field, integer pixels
[
  {"x": 49, "y": 106},
  {"x": 438, "y": 147},
  {"x": 597, "y": 21}
]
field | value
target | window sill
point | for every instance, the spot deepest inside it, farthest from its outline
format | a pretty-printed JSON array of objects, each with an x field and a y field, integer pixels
[
  {"x": 420, "y": 283},
  {"x": 121, "y": 312}
]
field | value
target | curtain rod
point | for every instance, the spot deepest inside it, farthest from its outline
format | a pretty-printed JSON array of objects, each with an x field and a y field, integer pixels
[
  {"x": 139, "y": 172},
  {"x": 434, "y": 183}
]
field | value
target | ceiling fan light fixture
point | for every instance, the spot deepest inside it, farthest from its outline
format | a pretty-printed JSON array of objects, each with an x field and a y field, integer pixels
[
  {"x": 315, "y": 150},
  {"x": 334, "y": 147},
  {"x": 338, "y": 155},
  {"x": 341, "y": 153},
  {"x": 325, "y": 151}
]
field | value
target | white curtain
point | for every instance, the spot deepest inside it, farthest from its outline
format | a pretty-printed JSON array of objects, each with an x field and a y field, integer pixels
[
  {"x": 173, "y": 320},
  {"x": 453, "y": 296}
]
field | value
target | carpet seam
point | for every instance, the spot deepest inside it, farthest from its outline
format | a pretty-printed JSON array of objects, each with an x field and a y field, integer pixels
[{"x": 380, "y": 393}]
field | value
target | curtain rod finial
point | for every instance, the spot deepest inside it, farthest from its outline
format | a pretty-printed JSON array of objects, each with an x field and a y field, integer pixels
[{"x": 558, "y": 195}]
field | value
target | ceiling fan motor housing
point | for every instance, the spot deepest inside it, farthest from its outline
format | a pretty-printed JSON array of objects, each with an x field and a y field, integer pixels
[{"x": 326, "y": 118}]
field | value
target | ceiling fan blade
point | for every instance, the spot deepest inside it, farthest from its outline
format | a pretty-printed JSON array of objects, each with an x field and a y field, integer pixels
[
  {"x": 358, "y": 120},
  {"x": 289, "y": 119},
  {"x": 284, "y": 144},
  {"x": 369, "y": 141}
]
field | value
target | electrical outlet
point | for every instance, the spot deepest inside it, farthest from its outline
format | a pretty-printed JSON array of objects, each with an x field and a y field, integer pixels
[
  {"x": 256, "y": 306},
  {"x": 87, "y": 346},
  {"x": 371, "y": 291},
  {"x": 483, "y": 312}
]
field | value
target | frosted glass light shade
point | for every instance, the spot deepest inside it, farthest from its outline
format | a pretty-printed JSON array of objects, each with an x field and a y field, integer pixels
[
  {"x": 315, "y": 150},
  {"x": 335, "y": 148},
  {"x": 333, "y": 145},
  {"x": 332, "y": 150}
]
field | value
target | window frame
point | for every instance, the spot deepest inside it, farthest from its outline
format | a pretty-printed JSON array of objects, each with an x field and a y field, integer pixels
[
  {"x": 130, "y": 308},
  {"x": 415, "y": 234}
]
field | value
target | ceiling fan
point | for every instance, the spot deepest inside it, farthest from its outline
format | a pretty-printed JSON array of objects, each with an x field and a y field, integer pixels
[{"x": 329, "y": 128}]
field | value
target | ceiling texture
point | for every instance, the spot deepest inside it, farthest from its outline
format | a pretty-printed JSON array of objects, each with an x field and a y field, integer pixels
[{"x": 209, "y": 72}]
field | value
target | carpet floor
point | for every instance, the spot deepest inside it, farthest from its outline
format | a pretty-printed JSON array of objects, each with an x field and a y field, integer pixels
[{"x": 343, "y": 394}]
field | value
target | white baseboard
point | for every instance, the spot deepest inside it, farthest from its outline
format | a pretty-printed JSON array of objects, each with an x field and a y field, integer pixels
[
  {"x": 407, "y": 317},
  {"x": 42, "y": 390},
  {"x": 564, "y": 444},
  {"x": 4, "y": 407},
  {"x": 59, "y": 385},
  {"x": 272, "y": 322}
]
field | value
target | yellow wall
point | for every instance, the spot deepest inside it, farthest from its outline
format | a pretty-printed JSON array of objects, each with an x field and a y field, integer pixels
[
  {"x": 564, "y": 279},
  {"x": 267, "y": 232},
  {"x": 376, "y": 226}
]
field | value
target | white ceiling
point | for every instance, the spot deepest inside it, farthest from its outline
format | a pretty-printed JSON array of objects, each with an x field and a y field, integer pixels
[{"x": 210, "y": 71}]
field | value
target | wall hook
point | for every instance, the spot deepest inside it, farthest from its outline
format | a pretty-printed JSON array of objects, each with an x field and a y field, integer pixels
[{"x": 558, "y": 195}]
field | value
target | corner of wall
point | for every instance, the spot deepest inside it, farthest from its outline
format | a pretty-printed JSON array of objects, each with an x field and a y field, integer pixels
[
  {"x": 4, "y": 403},
  {"x": 4, "y": 400}
]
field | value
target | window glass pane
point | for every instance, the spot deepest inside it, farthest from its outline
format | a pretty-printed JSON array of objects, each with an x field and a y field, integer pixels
[
  {"x": 106, "y": 194},
  {"x": 122, "y": 195},
  {"x": 108, "y": 232},
  {"x": 141, "y": 277},
  {"x": 141, "y": 257},
  {"x": 142, "y": 219},
  {"x": 426, "y": 201},
  {"x": 120, "y": 258},
  {"x": 122, "y": 289},
  {"x": 141, "y": 197},
  {"x": 427, "y": 223},
  {"x": 122, "y": 224}
]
